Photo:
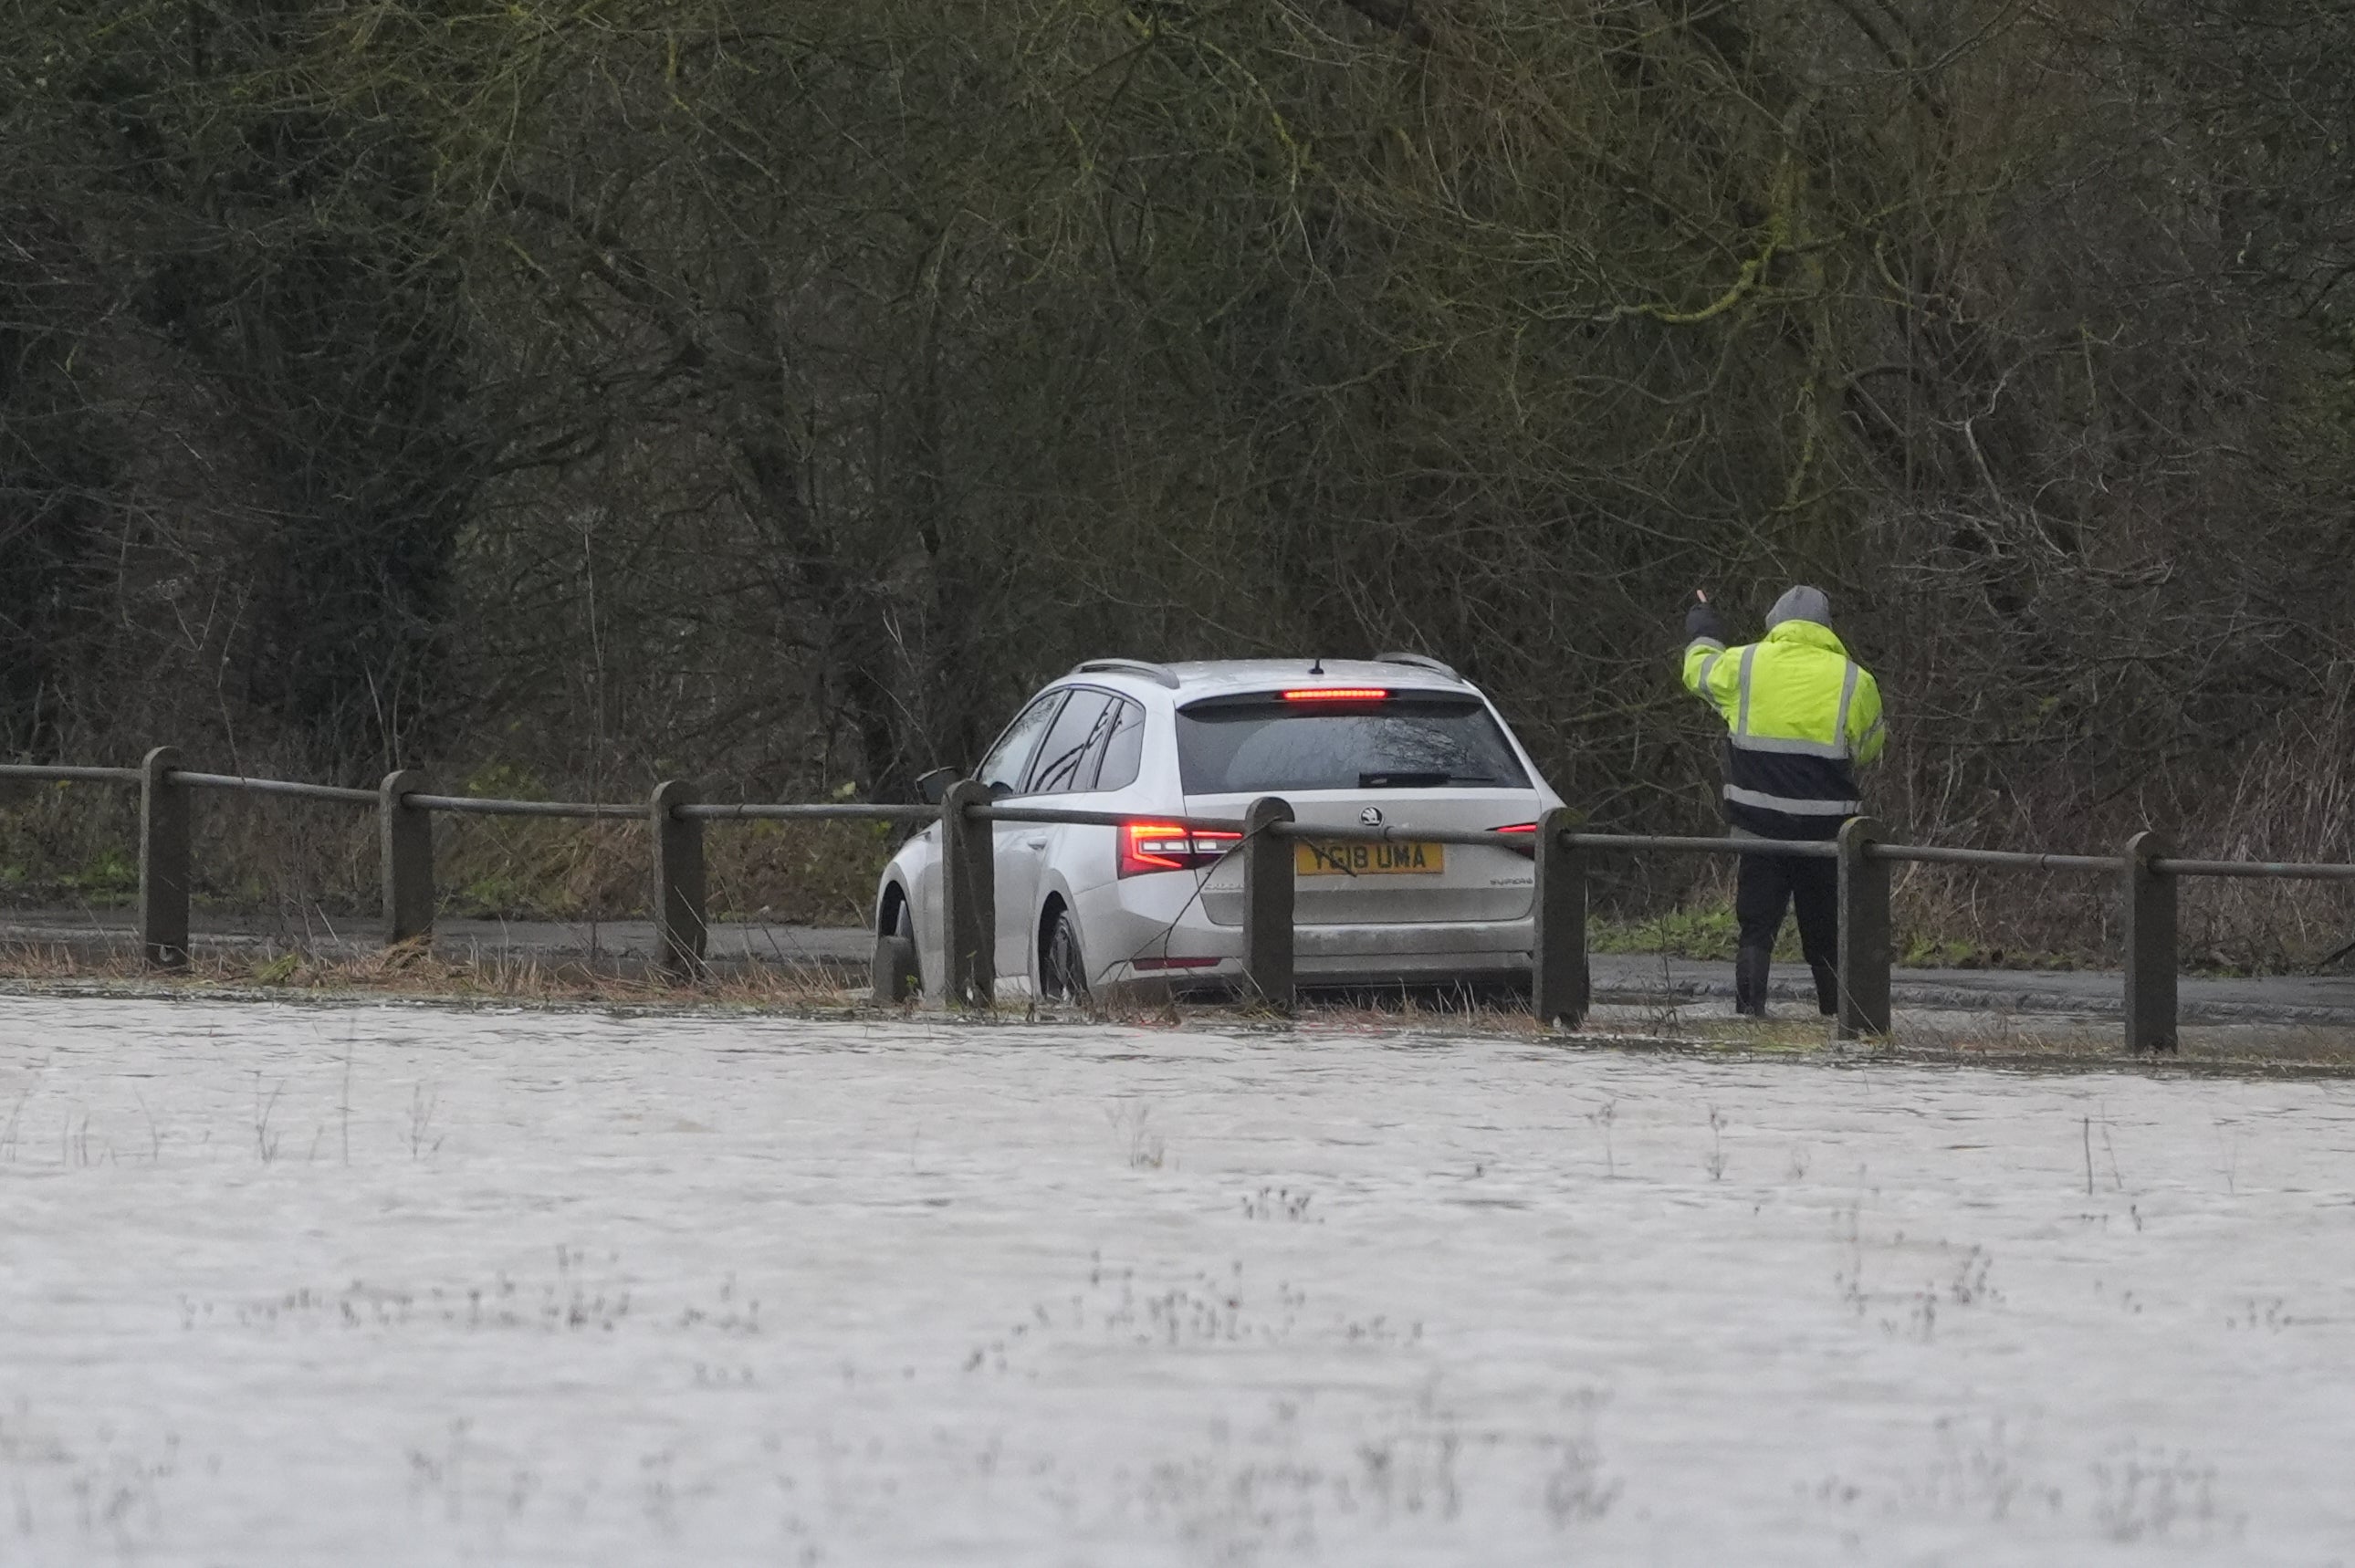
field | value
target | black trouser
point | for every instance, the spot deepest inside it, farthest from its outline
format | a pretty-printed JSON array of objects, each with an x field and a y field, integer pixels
[{"x": 1769, "y": 885}]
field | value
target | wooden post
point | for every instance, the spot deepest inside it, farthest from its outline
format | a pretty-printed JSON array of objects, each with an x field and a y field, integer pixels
[
  {"x": 1559, "y": 983},
  {"x": 1268, "y": 940},
  {"x": 680, "y": 928},
  {"x": 163, "y": 861},
  {"x": 1864, "y": 930},
  {"x": 405, "y": 834},
  {"x": 2150, "y": 1000},
  {"x": 968, "y": 897}
]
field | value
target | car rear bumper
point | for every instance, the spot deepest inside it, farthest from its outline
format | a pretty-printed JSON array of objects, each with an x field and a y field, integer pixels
[
  {"x": 1138, "y": 932},
  {"x": 1226, "y": 980}
]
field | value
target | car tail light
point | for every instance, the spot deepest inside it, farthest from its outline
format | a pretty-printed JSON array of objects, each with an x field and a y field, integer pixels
[
  {"x": 1338, "y": 694},
  {"x": 1170, "y": 847},
  {"x": 1524, "y": 839}
]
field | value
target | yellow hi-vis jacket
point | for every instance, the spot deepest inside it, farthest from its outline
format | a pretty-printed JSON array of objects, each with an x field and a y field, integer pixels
[{"x": 1799, "y": 716}]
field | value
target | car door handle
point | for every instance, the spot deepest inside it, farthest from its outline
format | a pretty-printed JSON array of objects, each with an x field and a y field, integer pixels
[{"x": 1037, "y": 843}]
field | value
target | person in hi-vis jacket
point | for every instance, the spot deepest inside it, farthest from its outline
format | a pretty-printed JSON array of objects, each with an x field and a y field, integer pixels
[{"x": 1800, "y": 716}]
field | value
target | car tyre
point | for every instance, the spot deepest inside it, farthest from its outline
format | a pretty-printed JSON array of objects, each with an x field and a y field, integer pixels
[
  {"x": 897, "y": 975},
  {"x": 1063, "y": 970}
]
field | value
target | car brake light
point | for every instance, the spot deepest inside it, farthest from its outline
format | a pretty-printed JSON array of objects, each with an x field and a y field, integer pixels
[
  {"x": 1524, "y": 839},
  {"x": 1170, "y": 847},
  {"x": 1338, "y": 694}
]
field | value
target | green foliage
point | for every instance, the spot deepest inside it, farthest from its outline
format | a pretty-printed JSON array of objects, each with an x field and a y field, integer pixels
[
  {"x": 1920, "y": 950},
  {"x": 506, "y": 781},
  {"x": 66, "y": 844},
  {"x": 1707, "y": 931},
  {"x": 112, "y": 873}
]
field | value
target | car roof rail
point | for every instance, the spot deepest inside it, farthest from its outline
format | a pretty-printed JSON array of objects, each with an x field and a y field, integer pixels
[
  {"x": 1159, "y": 674},
  {"x": 1420, "y": 661}
]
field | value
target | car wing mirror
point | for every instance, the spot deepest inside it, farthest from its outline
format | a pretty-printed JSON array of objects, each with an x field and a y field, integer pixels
[{"x": 934, "y": 788}]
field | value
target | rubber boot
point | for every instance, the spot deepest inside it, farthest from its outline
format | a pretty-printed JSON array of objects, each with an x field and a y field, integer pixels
[
  {"x": 1750, "y": 966},
  {"x": 1826, "y": 989}
]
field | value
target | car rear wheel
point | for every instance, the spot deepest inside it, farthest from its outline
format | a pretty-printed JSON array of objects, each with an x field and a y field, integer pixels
[
  {"x": 897, "y": 976},
  {"x": 1062, "y": 972}
]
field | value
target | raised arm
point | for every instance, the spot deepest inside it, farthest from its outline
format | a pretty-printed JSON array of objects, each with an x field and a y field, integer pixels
[{"x": 1709, "y": 674}]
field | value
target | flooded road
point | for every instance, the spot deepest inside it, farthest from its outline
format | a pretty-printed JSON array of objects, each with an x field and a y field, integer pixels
[{"x": 387, "y": 1284}]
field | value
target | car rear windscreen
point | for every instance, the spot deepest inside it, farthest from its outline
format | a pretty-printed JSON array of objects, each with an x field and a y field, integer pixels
[{"x": 1265, "y": 745}]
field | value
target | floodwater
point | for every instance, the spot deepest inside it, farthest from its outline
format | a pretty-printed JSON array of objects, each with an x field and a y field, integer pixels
[{"x": 396, "y": 1284}]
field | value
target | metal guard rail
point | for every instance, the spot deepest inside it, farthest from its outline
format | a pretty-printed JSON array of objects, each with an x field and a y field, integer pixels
[
  {"x": 405, "y": 802},
  {"x": 1791, "y": 848},
  {"x": 831, "y": 811},
  {"x": 44, "y": 773},
  {"x": 2166, "y": 866},
  {"x": 1993, "y": 859},
  {"x": 484, "y": 805},
  {"x": 270, "y": 786}
]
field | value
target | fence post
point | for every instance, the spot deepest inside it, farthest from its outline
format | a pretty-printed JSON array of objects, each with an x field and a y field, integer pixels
[
  {"x": 406, "y": 836},
  {"x": 1864, "y": 930},
  {"x": 2150, "y": 946},
  {"x": 969, "y": 897},
  {"x": 1559, "y": 983},
  {"x": 1268, "y": 939},
  {"x": 163, "y": 861},
  {"x": 679, "y": 924}
]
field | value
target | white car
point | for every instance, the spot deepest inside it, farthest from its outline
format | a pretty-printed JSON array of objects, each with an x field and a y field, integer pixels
[{"x": 1399, "y": 740}]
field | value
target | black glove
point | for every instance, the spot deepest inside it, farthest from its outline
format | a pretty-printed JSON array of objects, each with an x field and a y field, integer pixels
[{"x": 1701, "y": 621}]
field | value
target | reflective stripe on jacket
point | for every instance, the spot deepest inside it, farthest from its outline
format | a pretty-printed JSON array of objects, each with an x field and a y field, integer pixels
[{"x": 1799, "y": 715}]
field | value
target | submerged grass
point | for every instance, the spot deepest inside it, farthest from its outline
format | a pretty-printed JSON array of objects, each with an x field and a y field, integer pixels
[
  {"x": 410, "y": 970},
  {"x": 817, "y": 991}
]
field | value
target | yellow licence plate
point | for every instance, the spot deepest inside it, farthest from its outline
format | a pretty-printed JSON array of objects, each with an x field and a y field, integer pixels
[{"x": 1368, "y": 859}]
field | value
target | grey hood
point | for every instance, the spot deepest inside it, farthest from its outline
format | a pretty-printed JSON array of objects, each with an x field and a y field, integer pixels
[{"x": 1801, "y": 603}]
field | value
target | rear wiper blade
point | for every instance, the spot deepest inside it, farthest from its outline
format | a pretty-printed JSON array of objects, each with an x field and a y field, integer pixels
[{"x": 1401, "y": 780}]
